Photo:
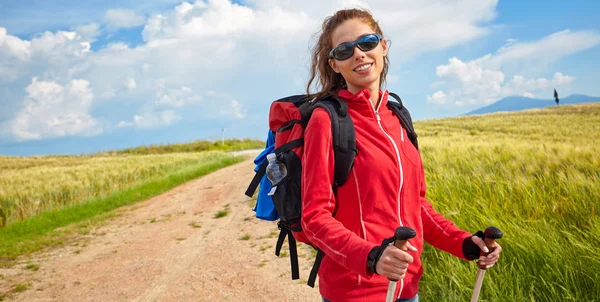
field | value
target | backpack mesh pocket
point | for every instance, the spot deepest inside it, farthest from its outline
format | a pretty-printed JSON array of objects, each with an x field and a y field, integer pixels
[{"x": 287, "y": 197}]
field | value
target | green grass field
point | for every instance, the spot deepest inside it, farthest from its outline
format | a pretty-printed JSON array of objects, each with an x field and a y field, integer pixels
[
  {"x": 39, "y": 195},
  {"x": 536, "y": 176}
]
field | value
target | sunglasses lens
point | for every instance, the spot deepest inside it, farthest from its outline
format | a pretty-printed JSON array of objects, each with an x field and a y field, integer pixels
[
  {"x": 343, "y": 51},
  {"x": 367, "y": 43}
]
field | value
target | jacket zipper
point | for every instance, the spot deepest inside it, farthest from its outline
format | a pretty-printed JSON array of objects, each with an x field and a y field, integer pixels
[
  {"x": 397, "y": 157},
  {"x": 376, "y": 110}
]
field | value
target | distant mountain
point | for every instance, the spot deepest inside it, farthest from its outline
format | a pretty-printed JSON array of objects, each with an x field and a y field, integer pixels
[{"x": 517, "y": 103}]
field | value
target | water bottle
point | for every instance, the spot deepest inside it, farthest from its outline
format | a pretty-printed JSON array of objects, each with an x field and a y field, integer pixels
[{"x": 276, "y": 171}]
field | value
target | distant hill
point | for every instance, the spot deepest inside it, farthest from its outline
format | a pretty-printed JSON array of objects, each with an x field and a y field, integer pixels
[{"x": 518, "y": 103}]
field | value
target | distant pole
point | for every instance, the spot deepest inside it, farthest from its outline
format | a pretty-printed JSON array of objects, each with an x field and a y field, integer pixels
[
  {"x": 222, "y": 136},
  {"x": 556, "y": 97}
]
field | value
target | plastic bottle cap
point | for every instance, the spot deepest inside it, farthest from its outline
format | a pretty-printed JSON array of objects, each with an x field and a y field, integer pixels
[{"x": 271, "y": 156}]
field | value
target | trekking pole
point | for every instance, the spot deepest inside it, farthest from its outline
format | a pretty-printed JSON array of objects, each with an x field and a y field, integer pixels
[
  {"x": 401, "y": 237},
  {"x": 491, "y": 234}
]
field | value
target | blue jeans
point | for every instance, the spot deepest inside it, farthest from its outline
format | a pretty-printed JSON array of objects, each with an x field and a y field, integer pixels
[{"x": 413, "y": 299}]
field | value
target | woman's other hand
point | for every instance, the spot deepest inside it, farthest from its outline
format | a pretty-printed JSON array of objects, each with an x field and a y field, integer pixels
[{"x": 489, "y": 256}]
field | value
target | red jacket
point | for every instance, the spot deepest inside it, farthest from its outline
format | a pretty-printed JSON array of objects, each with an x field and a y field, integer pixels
[{"x": 385, "y": 190}]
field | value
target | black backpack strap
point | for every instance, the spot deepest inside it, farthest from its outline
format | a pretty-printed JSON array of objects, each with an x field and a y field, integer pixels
[
  {"x": 405, "y": 119},
  {"x": 343, "y": 137},
  {"x": 289, "y": 146},
  {"x": 315, "y": 269},
  {"x": 293, "y": 256},
  {"x": 257, "y": 178},
  {"x": 344, "y": 148},
  {"x": 286, "y": 232}
]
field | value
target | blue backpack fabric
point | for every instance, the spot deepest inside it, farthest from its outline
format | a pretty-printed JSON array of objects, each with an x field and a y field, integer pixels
[{"x": 265, "y": 208}]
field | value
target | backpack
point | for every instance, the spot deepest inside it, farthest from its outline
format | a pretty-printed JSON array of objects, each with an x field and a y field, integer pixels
[{"x": 288, "y": 118}]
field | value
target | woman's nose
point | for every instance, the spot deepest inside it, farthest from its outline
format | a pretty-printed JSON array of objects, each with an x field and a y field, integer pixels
[{"x": 358, "y": 54}]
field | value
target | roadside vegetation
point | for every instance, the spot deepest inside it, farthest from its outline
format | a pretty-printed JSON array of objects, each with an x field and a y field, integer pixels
[
  {"x": 195, "y": 146},
  {"x": 41, "y": 194}
]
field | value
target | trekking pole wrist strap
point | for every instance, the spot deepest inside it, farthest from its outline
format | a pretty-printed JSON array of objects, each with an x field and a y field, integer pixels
[
  {"x": 470, "y": 249},
  {"x": 376, "y": 253}
]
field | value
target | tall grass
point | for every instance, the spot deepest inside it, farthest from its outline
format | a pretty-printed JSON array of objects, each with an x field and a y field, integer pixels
[
  {"x": 33, "y": 185},
  {"x": 536, "y": 176},
  {"x": 195, "y": 146}
]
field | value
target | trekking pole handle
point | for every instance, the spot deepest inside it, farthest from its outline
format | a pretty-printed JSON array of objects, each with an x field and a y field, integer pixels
[
  {"x": 401, "y": 237},
  {"x": 491, "y": 234}
]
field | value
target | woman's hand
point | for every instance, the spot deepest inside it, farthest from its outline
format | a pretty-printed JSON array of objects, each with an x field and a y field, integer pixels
[
  {"x": 394, "y": 262},
  {"x": 488, "y": 257}
]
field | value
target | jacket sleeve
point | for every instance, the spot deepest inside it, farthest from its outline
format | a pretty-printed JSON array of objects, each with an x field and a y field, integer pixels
[
  {"x": 319, "y": 202},
  {"x": 437, "y": 230}
]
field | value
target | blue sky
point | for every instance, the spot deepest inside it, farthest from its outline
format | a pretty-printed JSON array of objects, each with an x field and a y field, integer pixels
[{"x": 83, "y": 76}]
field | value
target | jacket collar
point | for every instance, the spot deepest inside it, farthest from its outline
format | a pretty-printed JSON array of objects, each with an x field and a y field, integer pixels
[{"x": 361, "y": 102}]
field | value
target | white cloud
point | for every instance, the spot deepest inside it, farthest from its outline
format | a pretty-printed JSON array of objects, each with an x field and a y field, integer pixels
[
  {"x": 439, "y": 98},
  {"x": 123, "y": 18},
  {"x": 177, "y": 98},
  {"x": 528, "y": 95},
  {"x": 521, "y": 85},
  {"x": 88, "y": 32},
  {"x": 420, "y": 26},
  {"x": 544, "y": 51},
  {"x": 130, "y": 84},
  {"x": 471, "y": 84},
  {"x": 155, "y": 119},
  {"x": 52, "y": 110},
  {"x": 483, "y": 80},
  {"x": 149, "y": 118},
  {"x": 223, "y": 106},
  {"x": 237, "y": 110},
  {"x": 62, "y": 44},
  {"x": 124, "y": 124},
  {"x": 171, "y": 105},
  {"x": 13, "y": 47},
  {"x": 51, "y": 54}
]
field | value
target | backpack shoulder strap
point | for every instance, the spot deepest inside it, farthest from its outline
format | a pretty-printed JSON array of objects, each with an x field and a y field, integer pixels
[
  {"x": 343, "y": 136},
  {"x": 398, "y": 108},
  {"x": 344, "y": 148}
]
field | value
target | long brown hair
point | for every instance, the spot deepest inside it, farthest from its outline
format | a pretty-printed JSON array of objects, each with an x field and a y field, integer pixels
[{"x": 330, "y": 82}]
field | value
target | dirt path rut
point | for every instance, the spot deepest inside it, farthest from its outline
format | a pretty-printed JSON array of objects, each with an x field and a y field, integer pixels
[{"x": 173, "y": 248}]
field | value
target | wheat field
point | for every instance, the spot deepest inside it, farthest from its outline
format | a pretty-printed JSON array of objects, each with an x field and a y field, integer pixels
[
  {"x": 536, "y": 176},
  {"x": 32, "y": 185}
]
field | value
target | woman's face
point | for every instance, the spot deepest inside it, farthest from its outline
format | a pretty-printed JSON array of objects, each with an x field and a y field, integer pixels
[{"x": 363, "y": 69}]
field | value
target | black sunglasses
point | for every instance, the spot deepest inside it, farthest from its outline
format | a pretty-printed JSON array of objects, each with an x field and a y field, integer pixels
[{"x": 346, "y": 49}]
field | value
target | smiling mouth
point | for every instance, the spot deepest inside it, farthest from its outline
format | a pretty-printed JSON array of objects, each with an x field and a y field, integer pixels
[{"x": 363, "y": 67}]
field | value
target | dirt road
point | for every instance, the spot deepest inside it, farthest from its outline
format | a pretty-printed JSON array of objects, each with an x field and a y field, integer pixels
[{"x": 171, "y": 248}]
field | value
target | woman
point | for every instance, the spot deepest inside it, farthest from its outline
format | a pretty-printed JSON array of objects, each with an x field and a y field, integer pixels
[{"x": 386, "y": 186}]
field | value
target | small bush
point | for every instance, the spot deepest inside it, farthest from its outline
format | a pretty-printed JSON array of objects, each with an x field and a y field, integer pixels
[{"x": 221, "y": 213}]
